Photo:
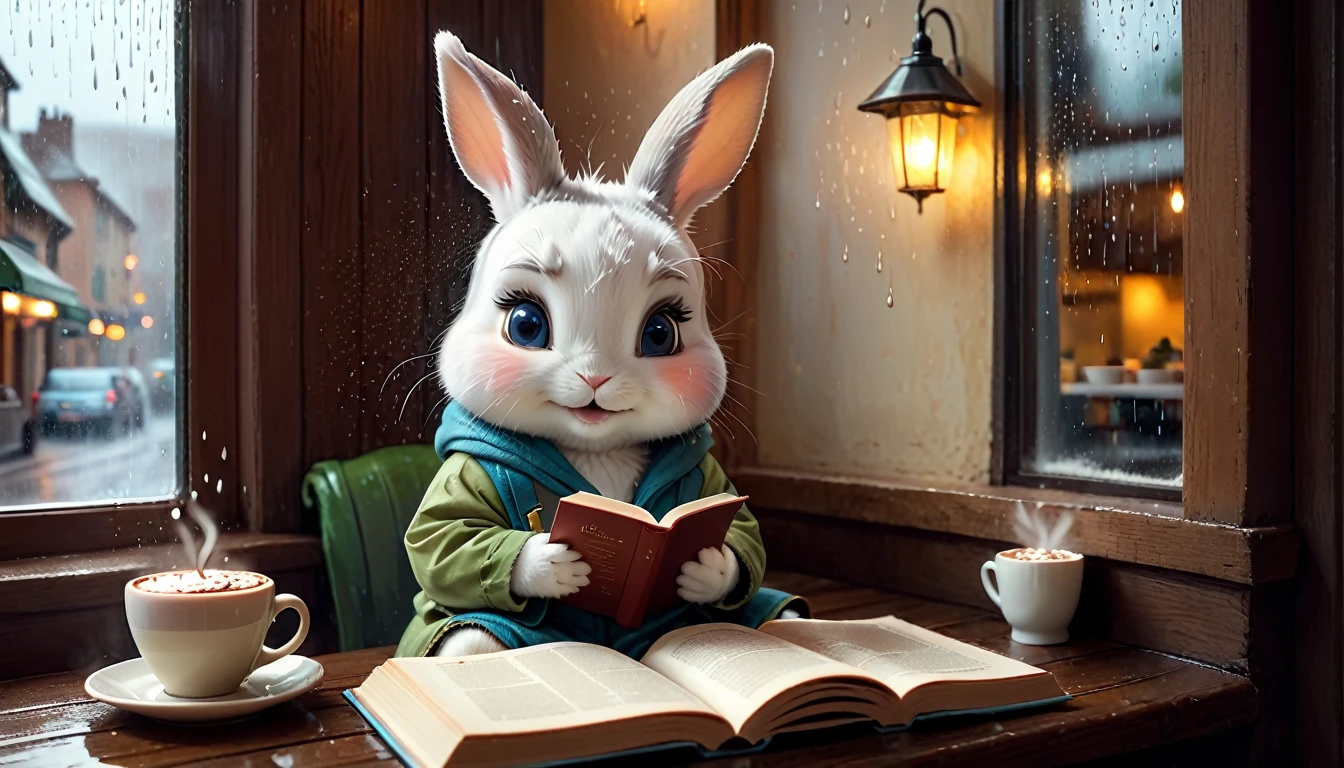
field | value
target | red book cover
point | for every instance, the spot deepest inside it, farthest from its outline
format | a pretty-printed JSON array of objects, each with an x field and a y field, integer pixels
[{"x": 636, "y": 559}]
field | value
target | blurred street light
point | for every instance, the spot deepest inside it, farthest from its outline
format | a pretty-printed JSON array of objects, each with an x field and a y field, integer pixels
[
  {"x": 116, "y": 332},
  {"x": 139, "y": 297},
  {"x": 131, "y": 262},
  {"x": 146, "y": 322},
  {"x": 96, "y": 327}
]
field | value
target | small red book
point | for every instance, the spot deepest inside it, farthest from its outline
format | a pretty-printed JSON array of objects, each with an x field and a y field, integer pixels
[{"x": 636, "y": 559}]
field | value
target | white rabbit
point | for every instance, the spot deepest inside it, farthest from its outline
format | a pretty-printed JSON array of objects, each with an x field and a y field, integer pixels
[{"x": 585, "y": 319}]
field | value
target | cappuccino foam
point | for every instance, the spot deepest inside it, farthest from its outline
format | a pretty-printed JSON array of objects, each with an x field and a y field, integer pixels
[
  {"x": 194, "y": 583},
  {"x": 1039, "y": 555}
]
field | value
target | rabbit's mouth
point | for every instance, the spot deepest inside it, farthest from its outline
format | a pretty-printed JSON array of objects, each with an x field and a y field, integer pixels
[{"x": 592, "y": 413}]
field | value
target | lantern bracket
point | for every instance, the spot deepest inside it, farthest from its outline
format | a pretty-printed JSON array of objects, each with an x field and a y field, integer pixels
[{"x": 923, "y": 46}]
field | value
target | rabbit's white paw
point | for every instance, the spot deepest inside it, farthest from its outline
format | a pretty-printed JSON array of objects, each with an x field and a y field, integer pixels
[
  {"x": 468, "y": 641},
  {"x": 710, "y": 577},
  {"x": 544, "y": 569}
]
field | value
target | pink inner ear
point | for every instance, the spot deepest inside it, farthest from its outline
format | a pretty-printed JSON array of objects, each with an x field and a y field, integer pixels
[
  {"x": 730, "y": 123},
  {"x": 472, "y": 128}
]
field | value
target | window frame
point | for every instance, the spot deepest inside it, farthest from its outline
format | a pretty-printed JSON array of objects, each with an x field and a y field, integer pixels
[
  {"x": 1017, "y": 275},
  {"x": 1237, "y": 455},
  {"x": 207, "y": 210}
]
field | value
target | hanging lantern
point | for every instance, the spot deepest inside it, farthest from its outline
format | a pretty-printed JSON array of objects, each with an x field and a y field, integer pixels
[{"x": 922, "y": 102}]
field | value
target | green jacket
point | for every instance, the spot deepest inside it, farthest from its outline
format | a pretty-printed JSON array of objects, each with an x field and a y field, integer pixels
[{"x": 462, "y": 549}]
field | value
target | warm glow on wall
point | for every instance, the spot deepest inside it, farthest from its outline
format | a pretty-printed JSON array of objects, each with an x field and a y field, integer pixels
[
  {"x": 146, "y": 322},
  {"x": 44, "y": 309},
  {"x": 11, "y": 302},
  {"x": 1177, "y": 201},
  {"x": 96, "y": 327},
  {"x": 116, "y": 332},
  {"x": 132, "y": 262},
  {"x": 139, "y": 297}
]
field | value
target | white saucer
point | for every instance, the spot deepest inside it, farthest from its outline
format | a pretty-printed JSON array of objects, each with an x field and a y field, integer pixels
[{"x": 132, "y": 687}]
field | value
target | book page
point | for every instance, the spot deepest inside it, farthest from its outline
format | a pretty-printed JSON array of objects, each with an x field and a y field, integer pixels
[
  {"x": 735, "y": 669},
  {"x": 615, "y": 507},
  {"x": 900, "y": 654},
  {"x": 546, "y": 687},
  {"x": 691, "y": 507}
]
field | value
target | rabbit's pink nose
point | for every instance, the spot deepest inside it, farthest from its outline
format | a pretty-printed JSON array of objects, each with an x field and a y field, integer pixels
[{"x": 595, "y": 380}]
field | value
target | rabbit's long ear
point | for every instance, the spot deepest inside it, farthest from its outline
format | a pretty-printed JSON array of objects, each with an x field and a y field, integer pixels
[
  {"x": 698, "y": 144},
  {"x": 501, "y": 140}
]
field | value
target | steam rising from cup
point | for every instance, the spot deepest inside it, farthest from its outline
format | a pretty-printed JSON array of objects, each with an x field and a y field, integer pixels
[
  {"x": 198, "y": 556},
  {"x": 1032, "y": 530}
]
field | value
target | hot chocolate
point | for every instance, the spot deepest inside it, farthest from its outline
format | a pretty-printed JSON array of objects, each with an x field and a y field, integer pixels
[
  {"x": 199, "y": 582},
  {"x": 1039, "y": 555}
]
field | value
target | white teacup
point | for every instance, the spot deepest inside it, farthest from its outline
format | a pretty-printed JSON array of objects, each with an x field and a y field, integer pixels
[
  {"x": 203, "y": 644},
  {"x": 1037, "y": 597}
]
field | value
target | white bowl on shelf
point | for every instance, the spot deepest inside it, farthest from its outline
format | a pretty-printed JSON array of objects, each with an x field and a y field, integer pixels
[
  {"x": 1104, "y": 374},
  {"x": 1157, "y": 376}
]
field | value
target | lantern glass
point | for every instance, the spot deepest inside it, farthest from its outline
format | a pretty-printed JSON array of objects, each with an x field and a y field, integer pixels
[{"x": 923, "y": 139}]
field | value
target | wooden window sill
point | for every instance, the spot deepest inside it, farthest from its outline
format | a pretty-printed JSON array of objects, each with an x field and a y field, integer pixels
[
  {"x": 65, "y": 611},
  {"x": 95, "y": 579},
  {"x": 1125, "y": 700},
  {"x": 1142, "y": 532}
]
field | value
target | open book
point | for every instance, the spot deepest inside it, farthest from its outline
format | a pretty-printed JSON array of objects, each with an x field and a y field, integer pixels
[
  {"x": 636, "y": 559},
  {"x": 714, "y": 685}
]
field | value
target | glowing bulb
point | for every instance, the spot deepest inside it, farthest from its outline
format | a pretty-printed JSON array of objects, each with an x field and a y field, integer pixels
[
  {"x": 44, "y": 309},
  {"x": 116, "y": 332},
  {"x": 11, "y": 303},
  {"x": 1177, "y": 201},
  {"x": 1044, "y": 183},
  {"x": 96, "y": 327},
  {"x": 923, "y": 154},
  {"x": 146, "y": 322},
  {"x": 139, "y": 297},
  {"x": 131, "y": 262}
]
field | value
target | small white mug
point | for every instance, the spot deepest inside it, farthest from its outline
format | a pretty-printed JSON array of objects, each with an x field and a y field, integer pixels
[
  {"x": 206, "y": 644},
  {"x": 1038, "y": 597}
]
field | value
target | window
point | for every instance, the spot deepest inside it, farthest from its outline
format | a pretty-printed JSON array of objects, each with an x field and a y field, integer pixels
[
  {"x": 89, "y": 150},
  {"x": 1098, "y": 260}
]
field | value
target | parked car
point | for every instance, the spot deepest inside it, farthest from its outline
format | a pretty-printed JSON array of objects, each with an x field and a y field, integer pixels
[
  {"x": 18, "y": 430},
  {"x": 99, "y": 400},
  {"x": 163, "y": 384},
  {"x": 140, "y": 392}
]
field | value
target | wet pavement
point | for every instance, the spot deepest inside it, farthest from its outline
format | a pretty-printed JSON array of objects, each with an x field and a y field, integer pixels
[{"x": 92, "y": 470}]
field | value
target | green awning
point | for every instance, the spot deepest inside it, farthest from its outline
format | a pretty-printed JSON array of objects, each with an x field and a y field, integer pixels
[{"x": 21, "y": 273}]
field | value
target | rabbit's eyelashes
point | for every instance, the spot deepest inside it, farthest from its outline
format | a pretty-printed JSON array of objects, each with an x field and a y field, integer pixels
[{"x": 585, "y": 318}]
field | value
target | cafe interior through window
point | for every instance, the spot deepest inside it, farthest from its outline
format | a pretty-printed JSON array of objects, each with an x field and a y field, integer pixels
[
  {"x": 1101, "y": 240},
  {"x": 88, "y": 159}
]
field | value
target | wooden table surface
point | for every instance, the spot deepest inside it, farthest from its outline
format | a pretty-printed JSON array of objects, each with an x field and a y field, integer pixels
[{"x": 1125, "y": 700}]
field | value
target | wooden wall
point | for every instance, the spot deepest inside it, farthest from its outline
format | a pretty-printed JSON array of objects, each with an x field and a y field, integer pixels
[{"x": 347, "y": 132}]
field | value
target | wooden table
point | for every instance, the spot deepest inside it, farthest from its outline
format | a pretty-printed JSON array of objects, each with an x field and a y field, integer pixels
[{"x": 1126, "y": 700}]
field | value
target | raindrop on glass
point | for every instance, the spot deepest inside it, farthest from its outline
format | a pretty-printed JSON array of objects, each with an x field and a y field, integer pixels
[
  {"x": 891, "y": 299},
  {"x": 846, "y": 14}
]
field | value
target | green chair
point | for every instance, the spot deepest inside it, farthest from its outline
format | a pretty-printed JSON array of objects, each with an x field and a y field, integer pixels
[{"x": 365, "y": 505}]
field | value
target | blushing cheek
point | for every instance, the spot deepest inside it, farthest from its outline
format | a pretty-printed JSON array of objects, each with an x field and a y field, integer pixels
[
  {"x": 688, "y": 381},
  {"x": 505, "y": 368}
]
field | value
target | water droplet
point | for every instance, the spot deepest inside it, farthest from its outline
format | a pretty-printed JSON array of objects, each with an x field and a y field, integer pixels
[
  {"x": 879, "y": 262},
  {"x": 867, "y": 21},
  {"x": 207, "y": 478},
  {"x": 177, "y": 513},
  {"x": 846, "y": 14},
  {"x": 891, "y": 299},
  {"x": 219, "y": 485},
  {"x": 202, "y": 435},
  {"x": 224, "y": 454},
  {"x": 844, "y": 255},
  {"x": 818, "y": 203}
]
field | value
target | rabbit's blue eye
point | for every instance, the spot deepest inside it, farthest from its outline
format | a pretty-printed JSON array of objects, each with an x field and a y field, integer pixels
[
  {"x": 527, "y": 326},
  {"x": 660, "y": 336}
]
